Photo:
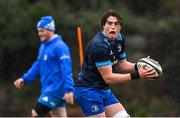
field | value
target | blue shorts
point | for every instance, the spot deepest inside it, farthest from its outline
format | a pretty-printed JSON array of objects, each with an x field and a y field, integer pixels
[
  {"x": 93, "y": 101},
  {"x": 51, "y": 101}
]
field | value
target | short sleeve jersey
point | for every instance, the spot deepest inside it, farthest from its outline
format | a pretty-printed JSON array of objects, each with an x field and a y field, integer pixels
[{"x": 101, "y": 51}]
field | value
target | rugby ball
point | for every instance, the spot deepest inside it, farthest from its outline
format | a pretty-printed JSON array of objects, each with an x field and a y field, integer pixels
[{"x": 150, "y": 64}]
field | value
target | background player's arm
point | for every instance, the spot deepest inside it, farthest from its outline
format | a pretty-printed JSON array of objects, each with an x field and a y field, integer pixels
[
  {"x": 28, "y": 77},
  {"x": 68, "y": 97},
  {"x": 32, "y": 73},
  {"x": 19, "y": 83},
  {"x": 65, "y": 65}
]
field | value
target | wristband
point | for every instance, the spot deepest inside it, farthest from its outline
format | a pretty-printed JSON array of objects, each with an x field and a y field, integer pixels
[
  {"x": 135, "y": 67},
  {"x": 135, "y": 75}
]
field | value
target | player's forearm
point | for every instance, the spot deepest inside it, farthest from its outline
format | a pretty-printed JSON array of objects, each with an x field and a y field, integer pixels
[
  {"x": 66, "y": 74},
  {"x": 113, "y": 78},
  {"x": 126, "y": 67},
  {"x": 32, "y": 73},
  {"x": 117, "y": 78}
]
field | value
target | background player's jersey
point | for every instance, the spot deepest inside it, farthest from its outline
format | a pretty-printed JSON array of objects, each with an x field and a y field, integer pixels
[
  {"x": 101, "y": 51},
  {"x": 54, "y": 67}
]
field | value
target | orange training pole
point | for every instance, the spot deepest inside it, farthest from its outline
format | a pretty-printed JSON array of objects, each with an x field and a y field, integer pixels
[{"x": 80, "y": 45}]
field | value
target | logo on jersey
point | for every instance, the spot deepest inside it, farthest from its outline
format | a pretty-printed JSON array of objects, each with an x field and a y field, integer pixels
[
  {"x": 52, "y": 104},
  {"x": 45, "y": 57},
  {"x": 111, "y": 53},
  {"x": 45, "y": 99},
  {"x": 65, "y": 57},
  {"x": 119, "y": 47},
  {"x": 94, "y": 108},
  {"x": 115, "y": 62}
]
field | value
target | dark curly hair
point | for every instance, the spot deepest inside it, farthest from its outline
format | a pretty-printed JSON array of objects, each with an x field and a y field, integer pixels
[{"x": 109, "y": 13}]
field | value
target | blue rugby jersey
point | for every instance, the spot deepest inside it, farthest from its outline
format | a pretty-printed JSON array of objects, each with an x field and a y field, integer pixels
[
  {"x": 54, "y": 67},
  {"x": 101, "y": 51}
]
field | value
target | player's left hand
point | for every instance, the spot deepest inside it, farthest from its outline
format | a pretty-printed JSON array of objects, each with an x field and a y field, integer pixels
[
  {"x": 148, "y": 73},
  {"x": 69, "y": 98}
]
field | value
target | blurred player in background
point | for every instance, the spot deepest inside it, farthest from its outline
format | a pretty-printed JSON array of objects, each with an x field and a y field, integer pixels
[
  {"x": 104, "y": 57},
  {"x": 54, "y": 67}
]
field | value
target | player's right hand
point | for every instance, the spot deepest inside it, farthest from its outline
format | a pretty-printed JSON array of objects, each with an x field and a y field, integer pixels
[
  {"x": 19, "y": 83},
  {"x": 68, "y": 97}
]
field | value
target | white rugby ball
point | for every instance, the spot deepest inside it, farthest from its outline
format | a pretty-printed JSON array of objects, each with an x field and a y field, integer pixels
[{"x": 150, "y": 64}]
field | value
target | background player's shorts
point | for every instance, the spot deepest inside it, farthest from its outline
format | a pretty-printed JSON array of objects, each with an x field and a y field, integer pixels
[
  {"x": 51, "y": 101},
  {"x": 92, "y": 101}
]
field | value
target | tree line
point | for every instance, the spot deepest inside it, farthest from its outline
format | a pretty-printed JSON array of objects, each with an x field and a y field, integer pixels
[{"x": 151, "y": 28}]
